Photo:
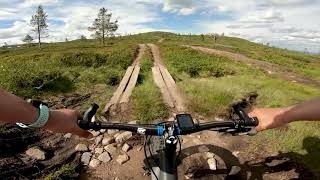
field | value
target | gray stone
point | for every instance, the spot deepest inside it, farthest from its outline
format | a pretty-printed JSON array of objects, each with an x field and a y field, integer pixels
[
  {"x": 85, "y": 158},
  {"x": 103, "y": 130},
  {"x": 92, "y": 147},
  {"x": 104, "y": 157},
  {"x": 67, "y": 136},
  {"x": 212, "y": 163},
  {"x": 98, "y": 151},
  {"x": 117, "y": 134},
  {"x": 123, "y": 136},
  {"x": 112, "y": 131},
  {"x": 236, "y": 153},
  {"x": 98, "y": 139},
  {"x": 95, "y": 133},
  {"x": 126, "y": 147},
  {"x": 110, "y": 148},
  {"x": 210, "y": 155},
  {"x": 36, "y": 153},
  {"x": 81, "y": 147},
  {"x": 107, "y": 140},
  {"x": 122, "y": 159},
  {"x": 94, "y": 163}
]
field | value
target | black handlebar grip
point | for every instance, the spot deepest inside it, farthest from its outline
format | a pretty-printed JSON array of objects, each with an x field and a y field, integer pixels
[
  {"x": 245, "y": 119},
  {"x": 251, "y": 121},
  {"x": 84, "y": 123}
]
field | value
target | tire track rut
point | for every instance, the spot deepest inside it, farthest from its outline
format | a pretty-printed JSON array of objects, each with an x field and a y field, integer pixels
[{"x": 272, "y": 69}]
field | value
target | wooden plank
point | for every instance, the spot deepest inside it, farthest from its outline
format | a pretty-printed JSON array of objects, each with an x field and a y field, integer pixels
[
  {"x": 117, "y": 94},
  {"x": 157, "y": 77},
  {"x": 132, "y": 83}
]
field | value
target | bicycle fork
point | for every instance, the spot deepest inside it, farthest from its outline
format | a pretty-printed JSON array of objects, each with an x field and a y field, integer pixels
[{"x": 167, "y": 169}]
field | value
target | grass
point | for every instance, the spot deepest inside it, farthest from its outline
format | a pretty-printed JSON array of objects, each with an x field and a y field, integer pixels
[
  {"x": 297, "y": 62},
  {"x": 63, "y": 69},
  {"x": 65, "y": 172},
  {"x": 211, "y": 83},
  {"x": 211, "y": 96},
  {"x": 147, "y": 100}
]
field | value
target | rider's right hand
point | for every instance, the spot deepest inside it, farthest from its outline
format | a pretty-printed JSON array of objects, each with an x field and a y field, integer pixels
[{"x": 269, "y": 117}]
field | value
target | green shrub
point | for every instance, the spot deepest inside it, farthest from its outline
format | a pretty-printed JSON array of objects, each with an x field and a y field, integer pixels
[{"x": 27, "y": 79}]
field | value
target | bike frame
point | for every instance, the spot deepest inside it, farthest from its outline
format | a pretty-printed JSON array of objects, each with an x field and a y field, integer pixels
[{"x": 167, "y": 169}]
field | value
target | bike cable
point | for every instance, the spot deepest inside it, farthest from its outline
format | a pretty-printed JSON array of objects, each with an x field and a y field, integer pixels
[{"x": 147, "y": 140}]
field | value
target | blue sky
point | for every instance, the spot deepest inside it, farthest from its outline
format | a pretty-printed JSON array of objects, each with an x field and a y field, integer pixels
[{"x": 292, "y": 24}]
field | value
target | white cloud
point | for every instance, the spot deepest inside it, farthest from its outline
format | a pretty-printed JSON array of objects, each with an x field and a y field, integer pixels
[{"x": 288, "y": 23}]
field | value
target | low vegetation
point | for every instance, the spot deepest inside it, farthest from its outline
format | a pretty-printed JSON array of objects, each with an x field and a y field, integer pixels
[
  {"x": 211, "y": 96},
  {"x": 298, "y": 62},
  {"x": 62, "y": 69},
  {"x": 211, "y": 83}
]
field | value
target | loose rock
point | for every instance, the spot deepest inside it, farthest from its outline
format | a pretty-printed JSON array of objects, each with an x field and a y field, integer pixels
[
  {"x": 95, "y": 133},
  {"x": 126, "y": 147},
  {"x": 110, "y": 148},
  {"x": 85, "y": 158},
  {"x": 209, "y": 155},
  {"x": 103, "y": 130},
  {"x": 104, "y": 157},
  {"x": 122, "y": 159},
  {"x": 236, "y": 153},
  {"x": 98, "y": 151},
  {"x": 92, "y": 147},
  {"x": 123, "y": 136},
  {"x": 81, "y": 147},
  {"x": 107, "y": 140},
  {"x": 36, "y": 153},
  {"x": 94, "y": 163},
  {"x": 116, "y": 134},
  {"x": 98, "y": 139},
  {"x": 112, "y": 131},
  {"x": 212, "y": 163},
  {"x": 67, "y": 136}
]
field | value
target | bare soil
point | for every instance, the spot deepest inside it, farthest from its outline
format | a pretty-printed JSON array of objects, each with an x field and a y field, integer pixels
[{"x": 271, "y": 69}]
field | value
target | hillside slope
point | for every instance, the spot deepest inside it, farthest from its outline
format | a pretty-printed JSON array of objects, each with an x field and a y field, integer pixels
[{"x": 76, "y": 73}]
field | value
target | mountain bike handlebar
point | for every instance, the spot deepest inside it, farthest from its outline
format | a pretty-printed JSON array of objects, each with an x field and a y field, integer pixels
[{"x": 242, "y": 125}]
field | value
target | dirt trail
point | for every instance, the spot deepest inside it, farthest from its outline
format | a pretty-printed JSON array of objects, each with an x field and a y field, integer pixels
[
  {"x": 170, "y": 91},
  {"x": 122, "y": 95},
  {"x": 270, "y": 68}
]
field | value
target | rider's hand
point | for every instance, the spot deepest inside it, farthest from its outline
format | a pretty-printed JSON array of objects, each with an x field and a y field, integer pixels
[
  {"x": 65, "y": 121},
  {"x": 269, "y": 117}
]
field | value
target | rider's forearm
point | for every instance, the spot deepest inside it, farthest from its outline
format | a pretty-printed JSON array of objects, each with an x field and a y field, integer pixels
[
  {"x": 309, "y": 111},
  {"x": 14, "y": 109}
]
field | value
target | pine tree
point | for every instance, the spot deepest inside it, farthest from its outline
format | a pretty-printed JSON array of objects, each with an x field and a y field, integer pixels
[
  {"x": 103, "y": 26},
  {"x": 27, "y": 39},
  {"x": 39, "y": 23}
]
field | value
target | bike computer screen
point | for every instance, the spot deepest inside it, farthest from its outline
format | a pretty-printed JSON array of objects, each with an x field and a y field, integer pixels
[{"x": 185, "y": 121}]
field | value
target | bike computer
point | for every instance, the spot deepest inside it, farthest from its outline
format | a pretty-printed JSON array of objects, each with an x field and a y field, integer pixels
[{"x": 185, "y": 121}]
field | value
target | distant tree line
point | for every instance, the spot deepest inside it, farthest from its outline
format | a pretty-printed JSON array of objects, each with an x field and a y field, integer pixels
[{"x": 102, "y": 27}]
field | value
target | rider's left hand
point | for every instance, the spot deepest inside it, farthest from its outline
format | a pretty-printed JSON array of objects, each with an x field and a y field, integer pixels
[{"x": 65, "y": 121}]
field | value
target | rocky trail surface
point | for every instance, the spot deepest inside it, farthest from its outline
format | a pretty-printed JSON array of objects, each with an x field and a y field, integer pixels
[{"x": 272, "y": 69}]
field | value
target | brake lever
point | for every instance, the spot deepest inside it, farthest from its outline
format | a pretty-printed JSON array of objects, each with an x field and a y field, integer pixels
[
  {"x": 252, "y": 132},
  {"x": 87, "y": 117}
]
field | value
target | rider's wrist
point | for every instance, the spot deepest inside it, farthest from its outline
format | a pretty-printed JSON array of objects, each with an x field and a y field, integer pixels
[{"x": 286, "y": 115}]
